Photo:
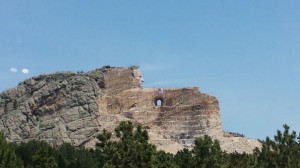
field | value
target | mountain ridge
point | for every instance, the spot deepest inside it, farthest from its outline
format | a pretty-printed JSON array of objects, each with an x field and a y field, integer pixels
[{"x": 75, "y": 107}]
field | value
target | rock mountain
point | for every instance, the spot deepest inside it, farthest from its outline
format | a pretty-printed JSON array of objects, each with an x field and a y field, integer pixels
[{"x": 75, "y": 107}]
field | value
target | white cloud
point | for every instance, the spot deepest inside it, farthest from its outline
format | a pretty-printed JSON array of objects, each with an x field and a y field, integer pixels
[
  {"x": 25, "y": 71},
  {"x": 13, "y": 69}
]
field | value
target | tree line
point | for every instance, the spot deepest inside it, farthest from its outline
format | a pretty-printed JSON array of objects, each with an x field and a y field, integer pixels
[{"x": 132, "y": 149}]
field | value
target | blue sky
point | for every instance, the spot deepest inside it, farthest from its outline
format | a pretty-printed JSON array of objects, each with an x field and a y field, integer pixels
[{"x": 246, "y": 53}]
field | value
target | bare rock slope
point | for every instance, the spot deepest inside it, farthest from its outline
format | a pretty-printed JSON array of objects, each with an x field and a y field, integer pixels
[{"x": 75, "y": 107}]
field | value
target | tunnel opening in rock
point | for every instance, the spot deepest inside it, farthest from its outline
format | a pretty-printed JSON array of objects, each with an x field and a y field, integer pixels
[{"x": 158, "y": 102}]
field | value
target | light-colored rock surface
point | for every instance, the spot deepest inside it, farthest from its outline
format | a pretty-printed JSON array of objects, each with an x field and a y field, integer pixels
[
  {"x": 55, "y": 108},
  {"x": 74, "y": 107}
]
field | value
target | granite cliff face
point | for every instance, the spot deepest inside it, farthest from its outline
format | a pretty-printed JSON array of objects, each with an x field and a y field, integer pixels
[
  {"x": 56, "y": 108},
  {"x": 75, "y": 107}
]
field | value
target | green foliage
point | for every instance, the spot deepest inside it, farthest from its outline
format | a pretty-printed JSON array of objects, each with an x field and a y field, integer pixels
[
  {"x": 70, "y": 157},
  {"x": 86, "y": 159},
  {"x": 283, "y": 151},
  {"x": 36, "y": 154},
  {"x": 164, "y": 160},
  {"x": 207, "y": 153},
  {"x": 8, "y": 158},
  {"x": 184, "y": 158},
  {"x": 131, "y": 150},
  {"x": 44, "y": 157},
  {"x": 237, "y": 160},
  {"x": 129, "y": 147},
  {"x": 66, "y": 157},
  {"x": 104, "y": 140}
]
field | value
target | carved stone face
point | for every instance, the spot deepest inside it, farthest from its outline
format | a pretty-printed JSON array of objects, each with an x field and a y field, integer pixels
[{"x": 138, "y": 75}]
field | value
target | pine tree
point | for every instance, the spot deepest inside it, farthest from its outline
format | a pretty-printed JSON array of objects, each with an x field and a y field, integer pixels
[
  {"x": 8, "y": 158},
  {"x": 36, "y": 154},
  {"x": 184, "y": 158},
  {"x": 207, "y": 153},
  {"x": 164, "y": 160},
  {"x": 283, "y": 151},
  {"x": 44, "y": 158},
  {"x": 132, "y": 149}
]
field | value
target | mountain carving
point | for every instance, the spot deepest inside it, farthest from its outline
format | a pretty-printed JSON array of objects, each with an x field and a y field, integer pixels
[{"x": 75, "y": 107}]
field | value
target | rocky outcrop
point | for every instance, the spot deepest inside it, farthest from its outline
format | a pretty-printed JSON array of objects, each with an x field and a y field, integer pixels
[
  {"x": 182, "y": 115},
  {"x": 56, "y": 108},
  {"x": 74, "y": 107}
]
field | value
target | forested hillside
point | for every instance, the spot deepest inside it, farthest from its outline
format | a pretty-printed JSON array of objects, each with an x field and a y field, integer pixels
[{"x": 128, "y": 146}]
